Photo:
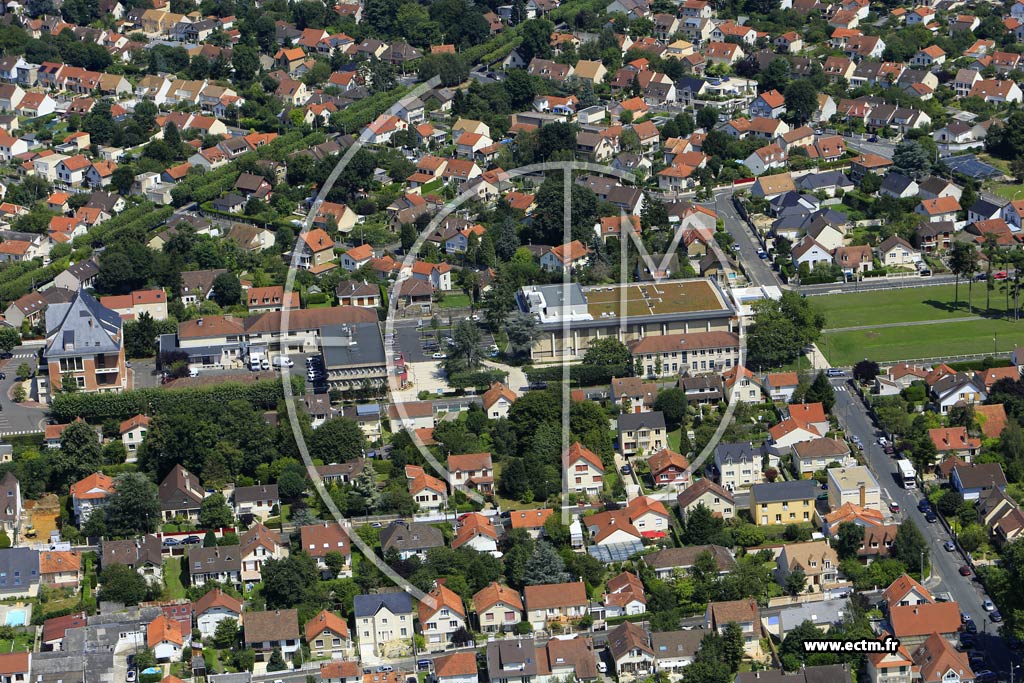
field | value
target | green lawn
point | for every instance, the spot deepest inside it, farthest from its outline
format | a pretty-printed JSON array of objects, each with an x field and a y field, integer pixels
[
  {"x": 454, "y": 301},
  {"x": 22, "y": 642},
  {"x": 900, "y": 305},
  {"x": 922, "y": 341},
  {"x": 1008, "y": 191},
  {"x": 172, "y": 577}
]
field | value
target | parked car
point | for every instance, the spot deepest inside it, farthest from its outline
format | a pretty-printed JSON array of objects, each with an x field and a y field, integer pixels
[
  {"x": 930, "y": 516},
  {"x": 438, "y": 355},
  {"x": 894, "y": 507},
  {"x": 995, "y": 617},
  {"x": 984, "y": 676},
  {"x": 602, "y": 667},
  {"x": 949, "y": 546},
  {"x": 988, "y": 605},
  {"x": 970, "y": 627},
  {"x": 626, "y": 469},
  {"x": 883, "y": 442},
  {"x": 191, "y": 540},
  {"x": 835, "y": 372},
  {"x": 385, "y": 669},
  {"x": 965, "y": 570},
  {"x": 924, "y": 505},
  {"x": 170, "y": 542},
  {"x": 131, "y": 676},
  {"x": 999, "y": 275}
]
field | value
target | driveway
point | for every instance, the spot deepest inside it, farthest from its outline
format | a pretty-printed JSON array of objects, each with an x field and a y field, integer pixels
[{"x": 944, "y": 565}]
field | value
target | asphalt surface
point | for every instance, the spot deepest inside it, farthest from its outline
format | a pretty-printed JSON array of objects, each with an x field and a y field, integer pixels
[
  {"x": 19, "y": 418},
  {"x": 944, "y": 577},
  {"x": 758, "y": 271}
]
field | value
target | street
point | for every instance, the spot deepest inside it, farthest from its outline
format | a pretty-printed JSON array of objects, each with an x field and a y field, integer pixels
[
  {"x": 18, "y": 418},
  {"x": 944, "y": 576},
  {"x": 758, "y": 271}
]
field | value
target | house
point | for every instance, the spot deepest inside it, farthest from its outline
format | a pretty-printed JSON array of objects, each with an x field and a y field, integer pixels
[
  {"x": 384, "y": 624},
  {"x": 897, "y": 252},
  {"x": 770, "y": 104},
  {"x": 669, "y": 469},
  {"x": 744, "y": 613},
  {"x": 765, "y": 159},
  {"x": 180, "y": 495},
  {"x": 85, "y": 344},
  {"x": 898, "y": 185},
  {"x": 939, "y": 662},
  {"x": 583, "y": 470},
  {"x": 566, "y": 257},
  {"x": 327, "y": 635},
  {"x": 913, "y": 624},
  {"x": 498, "y": 608},
  {"x": 555, "y": 603},
  {"x": 705, "y": 492},
  {"x": 769, "y": 187},
  {"x": 60, "y": 568},
  {"x": 815, "y": 455},
  {"x": 441, "y": 614},
  {"x": 410, "y": 538},
  {"x": 810, "y": 252},
  {"x": 167, "y": 638},
  {"x": 957, "y": 388},
  {"x": 630, "y": 649},
  {"x": 316, "y": 251},
  {"x": 144, "y": 555},
  {"x": 816, "y": 559},
  {"x": 972, "y": 480},
  {"x": 438, "y": 275},
  {"x": 931, "y": 56},
  {"x": 319, "y": 540},
  {"x": 459, "y": 667},
  {"x": 89, "y": 494},
  {"x": 641, "y": 433},
  {"x": 133, "y": 432},
  {"x": 265, "y": 632},
  {"x": 781, "y": 385},
  {"x": 197, "y": 285},
  {"x": 497, "y": 400},
  {"x": 255, "y": 501},
  {"x": 214, "y": 607},
  {"x": 738, "y": 465},
  {"x": 693, "y": 353},
  {"x": 668, "y": 561},
  {"x": 786, "y": 502},
  {"x": 624, "y": 596},
  {"x": 703, "y": 389},
  {"x": 530, "y": 520},
  {"x": 341, "y": 671},
  {"x": 997, "y": 91},
  {"x": 430, "y": 493},
  {"x": 939, "y": 210},
  {"x": 951, "y": 441},
  {"x": 259, "y": 544},
  {"x": 853, "y": 485},
  {"x": 471, "y": 471},
  {"x": 905, "y": 591},
  {"x": 220, "y": 564}
]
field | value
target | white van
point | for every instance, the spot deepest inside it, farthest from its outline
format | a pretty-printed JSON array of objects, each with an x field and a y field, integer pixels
[{"x": 282, "y": 362}]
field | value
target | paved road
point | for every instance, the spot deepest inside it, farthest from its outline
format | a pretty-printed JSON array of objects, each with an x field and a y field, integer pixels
[
  {"x": 875, "y": 284},
  {"x": 882, "y": 147},
  {"x": 17, "y": 418},
  {"x": 944, "y": 565},
  {"x": 758, "y": 271}
]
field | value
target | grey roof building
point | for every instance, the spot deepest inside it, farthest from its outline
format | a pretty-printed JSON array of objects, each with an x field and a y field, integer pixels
[
  {"x": 512, "y": 660},
  {"x": 830, "y": 673},
  {"x": 19, "y": 571},
  {"x": 396, "y": 602},
  {"x": 631, "y": 422},
  {"x": 82, "y": 326},
  {"x": 353, "y": 354},
  {"x": 410, "y": 538},
  {"x": 782, "y": 491}
]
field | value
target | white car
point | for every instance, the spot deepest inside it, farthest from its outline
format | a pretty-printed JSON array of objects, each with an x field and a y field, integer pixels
[
  {"x": 192, "y": 372},
  {"x": 602, "y": 667},
  {"x": 439, "y": 356},
  {"x": 283, "y": 362},
  {"x": 987, "y": 605}
]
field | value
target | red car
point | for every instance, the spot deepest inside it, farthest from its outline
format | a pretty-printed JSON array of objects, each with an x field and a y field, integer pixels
[
  {"x": 965, "y": 570},
  {"x": 999, "y": 275},
  {"x": 894, "y": 507}
]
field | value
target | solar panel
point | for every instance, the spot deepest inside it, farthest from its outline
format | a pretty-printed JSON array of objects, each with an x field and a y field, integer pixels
[{"x": 970, "y": 166}]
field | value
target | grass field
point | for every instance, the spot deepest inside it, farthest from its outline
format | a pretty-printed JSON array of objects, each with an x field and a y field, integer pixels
[
  {"x": 454, "y": 301},
  {"x": 1008, "y": 191},
  {"x": 172, "y": 577},
  {"x": 922, "y": 341},
  {"x": 902, "y": 305}
]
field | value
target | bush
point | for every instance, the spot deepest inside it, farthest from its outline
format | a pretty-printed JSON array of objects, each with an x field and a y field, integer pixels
[
  {"x": 582, "y": 375},
  {"x": 316, "y": 298},
  {"x": 481, "y": 379}
]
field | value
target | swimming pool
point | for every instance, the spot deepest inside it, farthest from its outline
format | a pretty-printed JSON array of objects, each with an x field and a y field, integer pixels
[{"x": 15, "y": 617}]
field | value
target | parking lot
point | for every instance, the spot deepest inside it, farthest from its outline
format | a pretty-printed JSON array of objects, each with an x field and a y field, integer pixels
[{"x": 418, "y": 345}]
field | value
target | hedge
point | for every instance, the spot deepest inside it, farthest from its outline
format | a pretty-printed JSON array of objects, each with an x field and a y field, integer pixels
[
  {"x": 23, "y": 284},
  {"x": 583, "y": 375},
  {"x": 983, "y": 364},
  {"x": 482, "y": 378},
  {"x": 264, "y": 394}
]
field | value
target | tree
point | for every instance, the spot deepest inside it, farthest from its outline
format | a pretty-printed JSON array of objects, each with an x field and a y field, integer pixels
[
  {"x": 9, "y": 338},
  {"x": 523, "y": 331},
  {"x": 963, "y": 259},
  {"x": 227, "y": 290},
  {"x": 865, "y": 371},
  {"x": 286, "y": 580},
  {"x": 910, "y": 547},
  {"x": 707, "y": 117},
  {"x": 950, "y": 503},
  {"x": 276, "y": 662},
  {"x": 226, "y": 635},
  {"x": 607, "y": 351},
  {"x": 796, "y": 582},
  {"x": 672, "y": 402},
  {"x": 121, "y": 583},
  {"x": 821, "y": 391},
  {"x": 514, "y": 481},
  {"x": 848, "y": 540},
  {"x": 910, "y": 159},
  {"x": 536, "y": 39},
  {"x": 5, "y": 540},
  {"x": 464, "y": 353},
  {"x": 701, "y": 526},
  {"x": 133, "y": 508},
  {"x": 781, "y": 329},
  {"x": 214, "y": 512},
  {"x": 210, "y": 539},
  {"x": 408, "y": 236},
  {"x": 114, "y": 452},
  {"x": 801, "y": 100},
  {"x": 339, "y": 439},
  {"x": 79, "y": 455},
  {"x": 544, "y": 566},
  {"x": 732, "y": 645}
]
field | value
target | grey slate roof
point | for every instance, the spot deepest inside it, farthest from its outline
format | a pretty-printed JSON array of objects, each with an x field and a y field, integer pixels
[
  {"x": 410, "y": 536},
  {"x": 632, "y": 421},
  {"x": 348, "y": 345},
  {"x": 781, "y": 491},
  {"x": 735, "y": 452},
  {"x": 81, "y": 326},
  {"x": 397, "y": 602},
  {"x": 19, "y": 569}
]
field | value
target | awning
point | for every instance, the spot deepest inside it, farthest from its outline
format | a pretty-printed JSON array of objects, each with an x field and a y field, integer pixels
[{"x": 653, "y": 534}]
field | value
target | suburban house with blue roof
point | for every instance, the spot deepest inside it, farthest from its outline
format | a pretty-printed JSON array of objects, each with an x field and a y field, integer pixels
[
  {"x": 384, "y": 625},
  {"x": 85, "y": 344}
]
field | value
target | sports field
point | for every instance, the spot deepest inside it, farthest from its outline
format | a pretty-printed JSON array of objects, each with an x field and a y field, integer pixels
[
  {"x": 989, "y": 332},
  {"x": 881, "y": 307}
]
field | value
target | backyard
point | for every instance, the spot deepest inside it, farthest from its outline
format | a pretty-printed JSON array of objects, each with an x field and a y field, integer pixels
[{"x": 172, "y": 577}]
